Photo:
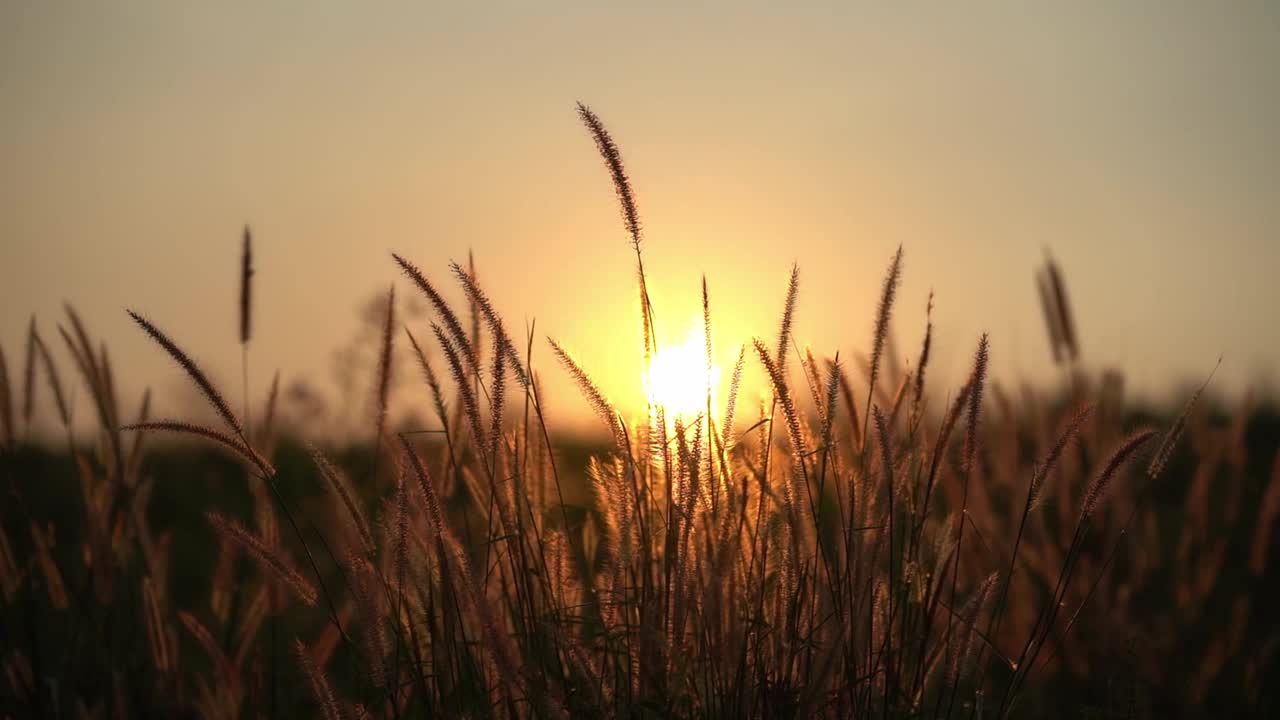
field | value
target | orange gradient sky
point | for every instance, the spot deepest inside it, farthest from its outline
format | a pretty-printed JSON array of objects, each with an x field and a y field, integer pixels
[{"x": 1140, "y": 144}]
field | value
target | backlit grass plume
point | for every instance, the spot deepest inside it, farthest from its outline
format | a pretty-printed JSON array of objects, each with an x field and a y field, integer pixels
[
  {"x": 1111, "y": 468},
  {"x": 268, "y": 558},
  {"x": 630, "y": 216},
  {"x": 29, "y": 376},
  {"x": 385, "y": 357},
  {"x": 51, "y": 374},
  {"x": 613, "y": 160},
  {"x": 788, "y": 317},
  {"x": 246, "y": 287},
  {"x": 501, "y": 339},
  {"x": 880, "y": 331},
  {"x": 455, "y": 333},
  {"x": 7, "y": 430},
  {"x": 192, "y": 370},
  {"x": 973, "y": 410},
  {"x": 590, "y": 390}
]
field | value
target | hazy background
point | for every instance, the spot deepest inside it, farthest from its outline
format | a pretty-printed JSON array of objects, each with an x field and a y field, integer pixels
[{"x": 1139, "y": 143}]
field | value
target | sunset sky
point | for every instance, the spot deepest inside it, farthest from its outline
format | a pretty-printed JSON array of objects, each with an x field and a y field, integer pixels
[{"x": 1141, "y": 145}]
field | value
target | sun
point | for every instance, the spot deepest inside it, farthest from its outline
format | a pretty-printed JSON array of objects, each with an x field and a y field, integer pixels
[{"x": 678, "y": 377}]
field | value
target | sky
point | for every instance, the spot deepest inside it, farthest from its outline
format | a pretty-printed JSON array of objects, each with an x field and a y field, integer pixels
[{"x": 1137, "y": 142}]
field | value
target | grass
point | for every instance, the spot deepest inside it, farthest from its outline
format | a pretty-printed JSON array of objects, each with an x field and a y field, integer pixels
[{"x": 840, "y": 550}]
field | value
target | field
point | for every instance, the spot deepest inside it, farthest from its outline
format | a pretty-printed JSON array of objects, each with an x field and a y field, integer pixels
[{"x": 864, "y": 544}]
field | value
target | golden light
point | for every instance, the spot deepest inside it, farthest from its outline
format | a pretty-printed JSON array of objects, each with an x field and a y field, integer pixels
[{"x": 678, "y": 378}]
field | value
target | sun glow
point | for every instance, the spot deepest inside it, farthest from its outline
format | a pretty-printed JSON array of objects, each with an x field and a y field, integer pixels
[{"x": 678, "y": 378}]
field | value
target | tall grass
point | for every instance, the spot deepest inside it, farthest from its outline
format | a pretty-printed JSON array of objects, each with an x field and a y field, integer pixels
[{"x": 841, "y": 552}]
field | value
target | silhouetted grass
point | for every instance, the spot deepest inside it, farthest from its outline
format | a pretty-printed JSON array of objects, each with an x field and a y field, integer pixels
[{"x": 841, "y": 552}]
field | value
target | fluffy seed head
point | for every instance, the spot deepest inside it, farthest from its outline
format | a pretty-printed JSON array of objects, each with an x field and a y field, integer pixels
[
  {"x": 271, "y": 560},
  {"x": 29, "y": 375},
  {"x": 1070, "y": 431},
  {"x": 589, "y": 389},
  {"x": 7, "y": 431},
  {"x": 788, "y": 316},
  {"x": 1121, "y": 455},
  {"x": 613, "y": 161},
  {"x": 1161, "y": 456},
  {"x": 447, "y": 316},
  {"x": 501, "y": 340},
  {"x": 977, "y": 381},
  {"x": 234, "y": 444},
  {"x": 384, "y": 362},
  {"x": 880, "y": 332},
  {"x": 246, "y": 286},
  {"x": 321, "y": 690},
  {"x": 193, "y": 371}
]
